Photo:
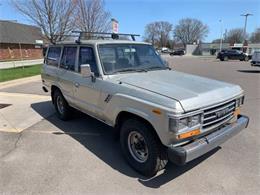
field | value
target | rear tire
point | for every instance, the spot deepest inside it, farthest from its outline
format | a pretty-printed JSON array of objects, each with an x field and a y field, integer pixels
[
  {"x": 141, "y": 147},
  {"x": 246, "y": 58},
  {"x": 63, "y": 109}
]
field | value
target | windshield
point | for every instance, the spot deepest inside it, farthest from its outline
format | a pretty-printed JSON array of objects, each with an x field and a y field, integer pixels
[{"x": 116, "y": 58}]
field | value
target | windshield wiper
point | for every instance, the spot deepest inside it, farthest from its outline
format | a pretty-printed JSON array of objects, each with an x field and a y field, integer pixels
[
  {"x": 158, "y": 68},
  {"x": 130, "y": 70}
]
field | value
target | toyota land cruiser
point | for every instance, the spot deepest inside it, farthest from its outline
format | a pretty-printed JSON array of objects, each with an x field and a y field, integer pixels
[{"x": 159, "y": 113}]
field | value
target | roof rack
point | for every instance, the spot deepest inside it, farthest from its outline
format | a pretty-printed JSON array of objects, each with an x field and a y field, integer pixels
[{"x": 113, "y": 35}]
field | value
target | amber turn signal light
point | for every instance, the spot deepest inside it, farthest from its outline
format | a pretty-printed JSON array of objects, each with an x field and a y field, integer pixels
[
  {"x": 237, "y": 112},
  {"x": 189, "y": 134}
]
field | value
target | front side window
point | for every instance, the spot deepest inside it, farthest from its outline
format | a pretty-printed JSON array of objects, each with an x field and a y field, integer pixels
[
  {"x": 116, "y": 58},
  {"x": 86, "y": 56},
  {"x": 53, "y": 56},
  {"x": 69, "y": 58}
]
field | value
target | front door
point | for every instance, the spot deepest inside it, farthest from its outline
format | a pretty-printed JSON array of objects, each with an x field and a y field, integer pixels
[{"x": 87, "y": 91}]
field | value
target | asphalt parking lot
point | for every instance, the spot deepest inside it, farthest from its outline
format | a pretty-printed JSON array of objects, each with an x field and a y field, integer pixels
[{"x": 81, "y": 156}]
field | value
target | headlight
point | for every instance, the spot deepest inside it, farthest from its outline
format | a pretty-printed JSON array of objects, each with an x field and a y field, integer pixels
[
  {"x": 183, "y": 124},
  {"x": 240, "y": 101}
]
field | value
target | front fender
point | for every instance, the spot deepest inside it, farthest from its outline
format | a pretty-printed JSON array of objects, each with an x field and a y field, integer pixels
[{"x": 144, "y": 109}]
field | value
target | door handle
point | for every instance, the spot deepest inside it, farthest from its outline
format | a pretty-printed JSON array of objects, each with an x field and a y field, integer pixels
[{"x": 76, "y": 85}]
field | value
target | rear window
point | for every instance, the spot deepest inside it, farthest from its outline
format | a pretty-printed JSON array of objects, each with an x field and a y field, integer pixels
[{"x": 53, "y": 56}]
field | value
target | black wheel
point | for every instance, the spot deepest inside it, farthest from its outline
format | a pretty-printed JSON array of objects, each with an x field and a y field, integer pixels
[
  {"x": 225, "y": 58},
  {"x": 142, "y": 148},
  {"x": 62, "y": 108},
  {"x": 246, "y": 58}
]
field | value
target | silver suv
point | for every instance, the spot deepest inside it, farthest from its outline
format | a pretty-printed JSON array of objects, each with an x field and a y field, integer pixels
[{"x": 160, "y": 114}]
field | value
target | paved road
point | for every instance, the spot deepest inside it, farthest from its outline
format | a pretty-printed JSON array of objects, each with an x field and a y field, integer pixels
[{"x": 82, "y": 157}]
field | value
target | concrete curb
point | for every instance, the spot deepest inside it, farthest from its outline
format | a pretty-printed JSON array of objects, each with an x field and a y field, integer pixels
[{"x": 15, "y": 64}]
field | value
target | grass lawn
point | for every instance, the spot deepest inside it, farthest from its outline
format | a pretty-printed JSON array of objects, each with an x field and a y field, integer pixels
[{"x": 19, "y": 72}]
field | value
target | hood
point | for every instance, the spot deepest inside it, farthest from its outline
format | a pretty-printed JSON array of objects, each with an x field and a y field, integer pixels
[{"x": 193, "y": 92}]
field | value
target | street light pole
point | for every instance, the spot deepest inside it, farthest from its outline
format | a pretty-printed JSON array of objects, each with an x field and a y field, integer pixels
[
  {"x": 221, "y": 36},
  {"x": 246, "y": 16}
]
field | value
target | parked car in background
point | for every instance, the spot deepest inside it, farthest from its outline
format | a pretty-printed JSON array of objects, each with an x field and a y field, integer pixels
[
  {"x": 233, "y": 54},
  {"x": 179, "y": 52},
  {"x": 256, "y": 58},
  {"x": 165, "y": 50}
]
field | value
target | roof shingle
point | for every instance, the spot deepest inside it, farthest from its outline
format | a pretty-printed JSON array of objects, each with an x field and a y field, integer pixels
[{"x": 12, "y": 32}]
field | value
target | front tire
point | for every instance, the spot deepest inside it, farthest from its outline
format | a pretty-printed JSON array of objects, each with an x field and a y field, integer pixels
[
  {"x": 225, "y": 58},
  {"x": 246, "y": 58},
  {"x": 63, "y": 109},
  {"x": 142, "y": 148}
]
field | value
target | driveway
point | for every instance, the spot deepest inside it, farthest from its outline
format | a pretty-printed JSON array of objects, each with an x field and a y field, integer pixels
[{"x": 81, "y": 156}]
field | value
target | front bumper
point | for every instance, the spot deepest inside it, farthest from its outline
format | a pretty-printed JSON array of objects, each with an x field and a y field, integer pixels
[{"x": 183, "y": 154}]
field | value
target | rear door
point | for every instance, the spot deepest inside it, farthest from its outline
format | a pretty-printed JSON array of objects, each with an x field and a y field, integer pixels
[
  {"x": 238, "y": 55},
  {"x": 50, "y": 67},
  {"x": 67, "y": 72},
  {"x": 231, "y": 54}
]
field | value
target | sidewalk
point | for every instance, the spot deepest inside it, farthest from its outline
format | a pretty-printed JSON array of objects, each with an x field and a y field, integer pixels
[
  {"x": 15, "y": 82},
  {"x": 22, "y": 111},
  {"x": 13, "y": 64}
]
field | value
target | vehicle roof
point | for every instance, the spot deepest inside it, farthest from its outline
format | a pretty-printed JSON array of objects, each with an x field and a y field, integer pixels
[{"x": 95, "y": 42}]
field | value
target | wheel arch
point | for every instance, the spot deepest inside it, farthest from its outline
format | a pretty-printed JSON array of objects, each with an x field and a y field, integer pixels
[{"x": 124, "y": 115}]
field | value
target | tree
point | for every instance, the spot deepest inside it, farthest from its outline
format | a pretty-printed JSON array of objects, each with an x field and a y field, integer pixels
[
  {"x": 255, "y": 37},
  {"x": 235, "y": 36},
  {"x": 54, "y": 17},
  {"x": 92, "y": 17},
  {"x": 151, "y": 33},
  {"x": 158, "y": 33},
  {"x": 190, "y": 30},
  {"x": 216, "y": 41}
]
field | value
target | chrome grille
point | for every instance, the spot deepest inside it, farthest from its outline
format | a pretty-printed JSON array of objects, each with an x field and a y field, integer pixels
[{"x": 218, "y": 115}]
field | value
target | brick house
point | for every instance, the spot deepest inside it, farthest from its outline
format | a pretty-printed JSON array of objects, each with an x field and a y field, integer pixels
[{"x": 19, "y": 41}]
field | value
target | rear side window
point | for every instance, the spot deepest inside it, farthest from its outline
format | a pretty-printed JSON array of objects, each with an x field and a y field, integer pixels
[
  {"x": 86, "y": 56},
  {"x": 53, "y": 56},
  {"x": 68, "y": 60}
]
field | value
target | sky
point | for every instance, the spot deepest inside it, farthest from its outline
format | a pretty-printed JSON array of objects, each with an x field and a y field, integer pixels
[{"x": 133, "y": 15}]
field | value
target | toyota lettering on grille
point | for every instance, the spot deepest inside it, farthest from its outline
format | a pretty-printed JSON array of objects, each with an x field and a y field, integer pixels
[{"x": 222, "y": 112}]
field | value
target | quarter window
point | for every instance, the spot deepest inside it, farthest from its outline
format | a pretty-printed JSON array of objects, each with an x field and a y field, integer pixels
[
  {"x": 53, "y": 56},
  {"x": 69, "y": 58}
]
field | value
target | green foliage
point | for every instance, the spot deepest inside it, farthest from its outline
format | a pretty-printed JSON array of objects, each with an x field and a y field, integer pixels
[{"x": 19, "y": 72}]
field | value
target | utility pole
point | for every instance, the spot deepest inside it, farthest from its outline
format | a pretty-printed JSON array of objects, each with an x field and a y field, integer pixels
[{"x": 246, "y": 16}]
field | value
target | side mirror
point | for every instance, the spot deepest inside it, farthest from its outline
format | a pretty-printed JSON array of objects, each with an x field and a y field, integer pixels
[{"x": 85, "y": 70}]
